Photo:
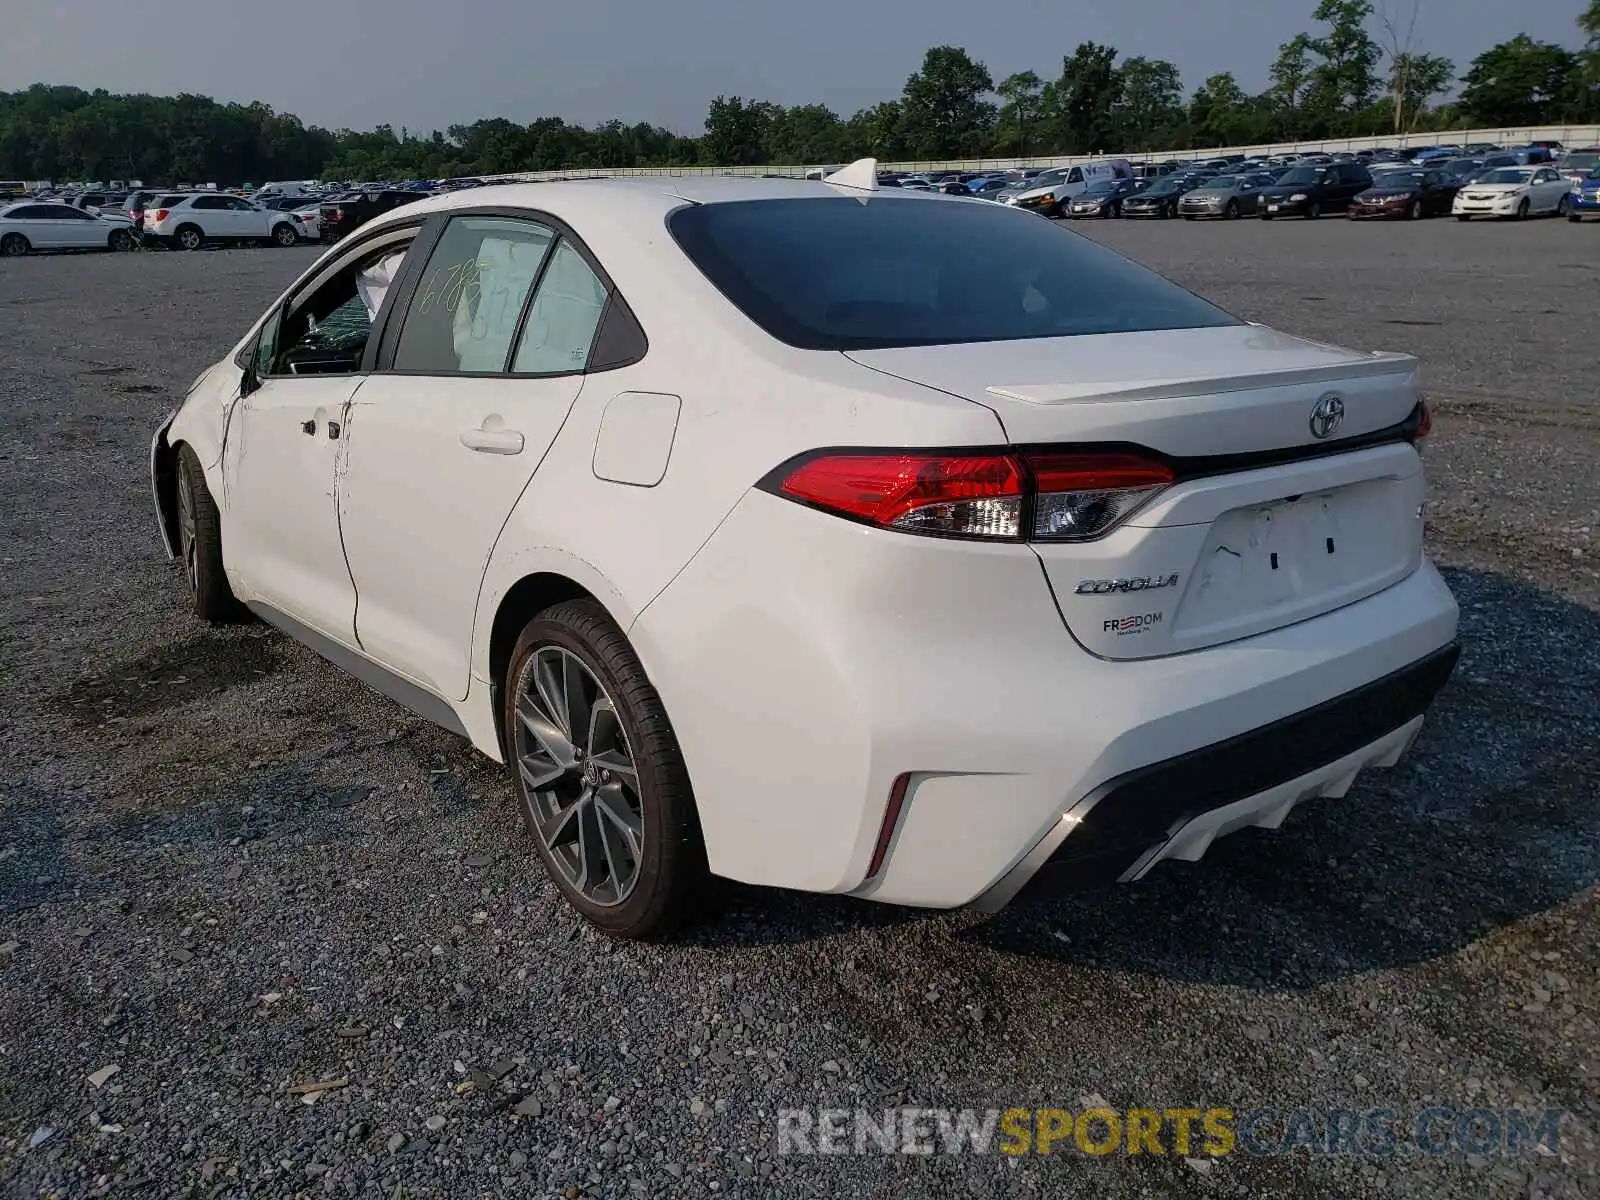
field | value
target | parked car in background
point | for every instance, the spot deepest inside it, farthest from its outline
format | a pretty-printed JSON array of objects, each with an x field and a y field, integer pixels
[
  {"x": 1226, "y": 196},
  {"x": 1579, "y": 164},
  {"x": 1160, "y": 199},
  {"x": 990, "y": 187},
  {"x": 1514, "y": 192},
  {"x": 1311, "y": 191},
  {"x": 543, "y": 512},
  {"x": 43, "y": 225},
  {"x": 1412, "y": 194},
  {"x": 1585, "y": 197},
  {"x": 1104, "y": 198},
  {"x": 310, "y": 218},
  {"x": 190, "y": 221},
  {"x": 1052, "y": 191},
  {"x": 347, "y": 214}
]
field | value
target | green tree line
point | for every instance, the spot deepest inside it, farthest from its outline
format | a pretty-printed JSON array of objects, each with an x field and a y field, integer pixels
[{"x": 1337, "y": 79}]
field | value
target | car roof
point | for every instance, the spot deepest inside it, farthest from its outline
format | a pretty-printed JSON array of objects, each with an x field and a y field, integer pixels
[{"x": 579, "y": 200}]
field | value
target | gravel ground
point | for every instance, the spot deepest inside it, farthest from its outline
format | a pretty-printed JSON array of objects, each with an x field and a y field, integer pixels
[{"x": 226, "y": 870}]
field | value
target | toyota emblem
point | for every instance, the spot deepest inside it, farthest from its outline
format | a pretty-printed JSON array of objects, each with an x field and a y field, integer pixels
[{"x": 1327, "y": 415}]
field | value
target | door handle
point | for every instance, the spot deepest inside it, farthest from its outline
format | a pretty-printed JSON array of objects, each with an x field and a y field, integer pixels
[
  {"x": 492, "y": 441},
  {"x": 308, "y": 427}
]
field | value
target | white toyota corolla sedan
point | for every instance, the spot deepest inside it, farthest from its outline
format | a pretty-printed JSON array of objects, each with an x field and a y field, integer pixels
[{"x": 821, "y": 537}]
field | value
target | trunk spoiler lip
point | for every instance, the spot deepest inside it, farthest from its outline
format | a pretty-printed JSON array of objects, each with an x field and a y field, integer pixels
[
  {"x": 1184, "y": 467},
  {"x": 1159, "y": 389}
]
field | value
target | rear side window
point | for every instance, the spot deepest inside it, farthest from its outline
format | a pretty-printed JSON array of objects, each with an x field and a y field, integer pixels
[
  {"x": 463, "y": 317},
  {"x": 565, "y": 313},
  {"x": 846, "y": 274},
  {"x": 170, "y": 201}
]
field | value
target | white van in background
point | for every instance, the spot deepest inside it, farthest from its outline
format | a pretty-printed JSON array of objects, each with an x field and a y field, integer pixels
[{"x": 1050, "y": 192}]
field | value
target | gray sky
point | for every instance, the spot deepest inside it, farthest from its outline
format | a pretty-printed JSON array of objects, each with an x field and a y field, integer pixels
[{"x": 429, "y": 63}]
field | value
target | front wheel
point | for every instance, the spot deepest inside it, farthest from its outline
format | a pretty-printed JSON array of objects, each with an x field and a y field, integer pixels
[
  {"x": 14, "y": 245},
  {"x": 1415, "y": 211},
  {"x": 602, "y": 784},
  {"x": 1574, "y": 218},
  {"x": 1564, "y": 206},
  {"x": 1231, "y": 213},
  {"x": 1523, "y": 209},
  {"x": 200, "y": 543},
  {"x": 1313, "y": 210},
  {"x": 1463, "y": 217}
]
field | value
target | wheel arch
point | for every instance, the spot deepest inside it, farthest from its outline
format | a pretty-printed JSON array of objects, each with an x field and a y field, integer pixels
[
  {"x": 164, "y": 484},
  {"x": 524, "y": 599}
]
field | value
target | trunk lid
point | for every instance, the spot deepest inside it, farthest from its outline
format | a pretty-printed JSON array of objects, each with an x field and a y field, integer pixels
[{"x": 1259, "y": 530}]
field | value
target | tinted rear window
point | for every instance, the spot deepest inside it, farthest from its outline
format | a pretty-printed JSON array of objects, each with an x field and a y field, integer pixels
[{"x": 842, "y": 274}]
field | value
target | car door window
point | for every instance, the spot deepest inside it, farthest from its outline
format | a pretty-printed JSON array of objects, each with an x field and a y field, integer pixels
[
  {"x": 464, "y": 314},
  {"x": 325, "y": 331},
  {"x": 238, "y": 205},
  {"x": 565, "y": 313},
  {"x": 207, "y": 202}
]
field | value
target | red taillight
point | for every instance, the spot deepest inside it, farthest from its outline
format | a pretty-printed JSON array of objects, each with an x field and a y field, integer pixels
[
  {"x": 956, "y": 495},
  {"x": 1095, "y": 472},
  {"x": 982, "y": 495},
  {"x": 159, "y": 216},
  {"x": 1424, "y": 421}
]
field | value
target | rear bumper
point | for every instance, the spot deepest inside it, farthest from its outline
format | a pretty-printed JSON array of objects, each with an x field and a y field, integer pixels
[
  {"x": 814, "y": 668},
  {"x": 1174, "y": 809}
]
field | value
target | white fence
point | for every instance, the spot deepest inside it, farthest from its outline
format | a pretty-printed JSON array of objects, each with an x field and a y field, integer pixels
[{"x": 1568, "y": 135}]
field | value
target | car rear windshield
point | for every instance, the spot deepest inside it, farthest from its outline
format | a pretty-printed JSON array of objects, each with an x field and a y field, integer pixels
[{"x": 858, "y": 274}]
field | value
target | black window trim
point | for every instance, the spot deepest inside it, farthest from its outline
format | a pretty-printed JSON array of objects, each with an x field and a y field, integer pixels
[
  {"x": 361, "y": 244},
  {"x": 428, "y": 240}
]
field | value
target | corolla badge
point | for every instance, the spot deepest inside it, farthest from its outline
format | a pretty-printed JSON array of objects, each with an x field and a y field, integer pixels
[{"x": 1327, "y": 415}]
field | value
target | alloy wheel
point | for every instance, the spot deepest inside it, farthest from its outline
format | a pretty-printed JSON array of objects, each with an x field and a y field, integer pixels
[
  {"x": 188, "y": 544},
  {"x": 579, "y": 782}
]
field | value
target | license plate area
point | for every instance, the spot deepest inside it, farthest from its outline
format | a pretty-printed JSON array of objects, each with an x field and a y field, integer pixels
[{"x": 1269, "y": 564}]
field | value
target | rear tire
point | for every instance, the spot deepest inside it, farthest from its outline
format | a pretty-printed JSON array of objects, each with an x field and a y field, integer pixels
[
  {"x": 14, "y": 245},
  {"x": 120, "y": 240},
  {"x": 188, "y": 237},
  {"x": 629, "y": 856},
  {"x": 284, "y": 235},
  {"x": 200, "y": 544}
]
